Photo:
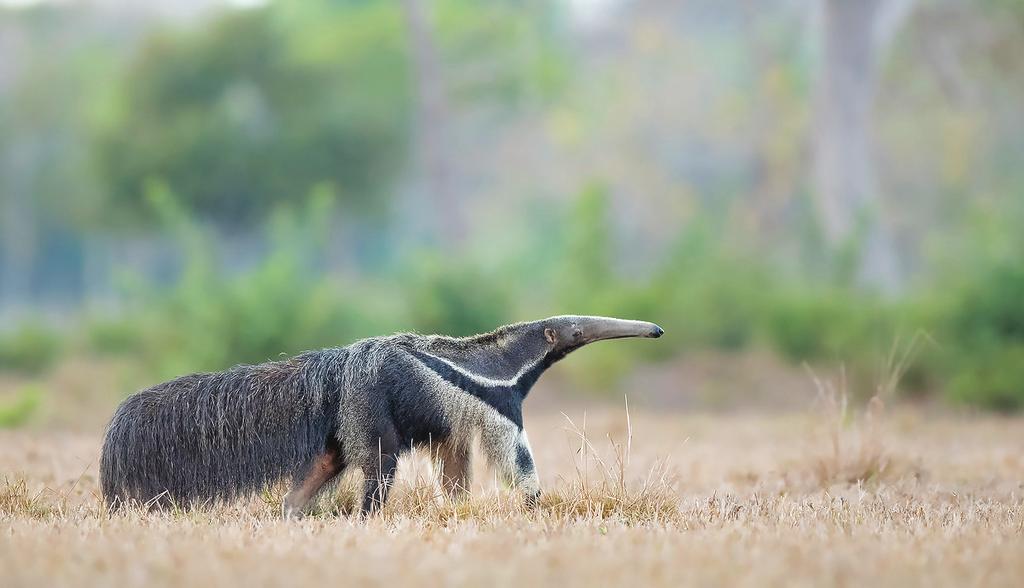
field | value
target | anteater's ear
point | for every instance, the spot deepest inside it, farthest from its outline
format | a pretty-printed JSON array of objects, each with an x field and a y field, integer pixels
[{"x": 550, "y": 335}]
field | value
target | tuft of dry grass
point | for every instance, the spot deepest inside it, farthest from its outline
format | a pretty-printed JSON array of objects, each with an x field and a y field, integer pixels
[
  {"x": 856, "y": 439},
  {"x": 15, "y": 500},
  {"x": 610, "y": 492},
  {"x": 855, "y": 449}
]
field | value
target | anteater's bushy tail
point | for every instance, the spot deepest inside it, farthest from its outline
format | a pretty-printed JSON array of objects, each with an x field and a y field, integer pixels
[{"x": 208, "y": 437}]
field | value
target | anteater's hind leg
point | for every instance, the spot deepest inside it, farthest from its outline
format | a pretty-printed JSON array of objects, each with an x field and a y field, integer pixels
[{"x": 324, "y": 468}]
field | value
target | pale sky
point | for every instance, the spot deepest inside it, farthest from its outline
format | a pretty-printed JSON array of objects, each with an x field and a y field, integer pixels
[{"x": 588, "y": 11}]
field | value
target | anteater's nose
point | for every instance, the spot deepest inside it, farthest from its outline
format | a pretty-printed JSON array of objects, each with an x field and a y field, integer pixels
[{"x": 657, "y": 332}]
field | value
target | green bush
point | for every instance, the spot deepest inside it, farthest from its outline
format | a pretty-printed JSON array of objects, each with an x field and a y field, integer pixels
[
  {"x": 720, "y": 308},
  {"x": 991, "y": 378},
  {"x": 31, "y": 348},
  {"x": 985, "y": 340},
  {"x": 831, "y": 324},
  {"x": 990, "y": 310},
  {"x": 18, "y": 411},
  {"x": 456, "y": 297},
  {"x": 211, "y": 319},
  {"x": 243, "y": 113},
  {"x": 708, "y": 297},
  {"x": 111, "y": 335}
]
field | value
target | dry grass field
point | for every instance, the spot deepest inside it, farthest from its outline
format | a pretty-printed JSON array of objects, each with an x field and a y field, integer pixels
[{"x": 899, "y": 498}]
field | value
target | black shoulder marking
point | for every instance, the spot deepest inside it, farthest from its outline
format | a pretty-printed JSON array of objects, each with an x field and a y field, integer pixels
[
  {"x": 453, "y": 376},
  {"x": 504, "y": 399}
]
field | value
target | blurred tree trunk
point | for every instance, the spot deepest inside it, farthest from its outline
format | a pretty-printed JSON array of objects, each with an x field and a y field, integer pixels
[
  {"x": 16, "y": 219},
  {"x": 431, "y": 157},
  {"x": 18, "y": 224},
  {"x": 856, "y": 35}
]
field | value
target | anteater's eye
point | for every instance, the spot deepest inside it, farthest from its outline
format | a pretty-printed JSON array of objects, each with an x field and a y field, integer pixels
[{"x": 577, "y": 334}]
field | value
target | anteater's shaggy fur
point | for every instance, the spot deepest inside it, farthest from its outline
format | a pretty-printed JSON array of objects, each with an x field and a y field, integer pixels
[
  {"x": 203, "y": 438},
  {"x": 207, "y": 436}
]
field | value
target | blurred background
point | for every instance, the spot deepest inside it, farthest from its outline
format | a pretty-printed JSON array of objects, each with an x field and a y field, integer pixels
[{"x": 789, "y": 187}]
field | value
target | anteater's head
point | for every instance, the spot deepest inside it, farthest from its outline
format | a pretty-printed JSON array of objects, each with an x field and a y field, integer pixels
[{"x": 565, "y": 334}]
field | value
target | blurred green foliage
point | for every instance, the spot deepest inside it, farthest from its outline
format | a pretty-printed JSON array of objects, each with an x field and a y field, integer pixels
[
  {"x": 985, "y": 340},
  {"x": 259, "y": 105},
  {"x": 30, "y": 348},
  {"x": 18, "y": 411},
  {"x": 454, "y": 296},
  {"x": 210, "y": 318},
  {"x": 816, "y": 323},
  {"x": 705, "y": 295}
]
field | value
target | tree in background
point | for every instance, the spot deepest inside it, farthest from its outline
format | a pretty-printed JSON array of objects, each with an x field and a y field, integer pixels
[
  {"x": 856, "y": 36},
  {"x": 432, "y": 160},
  {"x": 467, "y": 59},
  {"x": 260, "y": 106},
  {"x": 46, "y": 99}
]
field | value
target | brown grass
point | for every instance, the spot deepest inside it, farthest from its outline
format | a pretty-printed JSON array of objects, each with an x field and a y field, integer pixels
[{"x": 651, "y": 500}]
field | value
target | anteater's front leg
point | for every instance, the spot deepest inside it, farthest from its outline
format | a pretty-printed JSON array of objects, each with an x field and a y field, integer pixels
[
  {"x": 451, "y": 460},
  {"x": 378, "y": 467},
  {"x": 508, "y": 450}
]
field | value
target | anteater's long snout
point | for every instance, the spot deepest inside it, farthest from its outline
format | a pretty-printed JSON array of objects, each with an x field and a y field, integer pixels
[{"x": 601, "y": 328}]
